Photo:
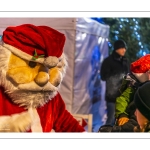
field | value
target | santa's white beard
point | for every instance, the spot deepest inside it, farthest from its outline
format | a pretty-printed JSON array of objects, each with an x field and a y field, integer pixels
[
  {"x": 25, "y": 98},
  {"x": 34, "y": 99}
]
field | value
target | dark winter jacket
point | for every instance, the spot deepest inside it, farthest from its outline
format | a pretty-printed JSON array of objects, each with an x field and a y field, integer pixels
[{"x": 113, "y": 68}]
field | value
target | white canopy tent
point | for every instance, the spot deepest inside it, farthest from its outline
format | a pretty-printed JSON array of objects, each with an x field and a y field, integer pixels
[{"x": 86, "y": 47}]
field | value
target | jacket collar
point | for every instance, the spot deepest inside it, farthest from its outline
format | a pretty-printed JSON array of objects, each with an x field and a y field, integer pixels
[{"x": 116, "y": 56}]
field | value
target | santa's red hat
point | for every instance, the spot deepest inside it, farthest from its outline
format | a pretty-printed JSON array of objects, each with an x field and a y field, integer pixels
[
  {"x": 42, "y": 44},
  {"x": 140, "y": 67}
]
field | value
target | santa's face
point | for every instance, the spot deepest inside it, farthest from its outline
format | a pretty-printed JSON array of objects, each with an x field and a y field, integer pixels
[
  {"x": 32, "y": 76},
  {"x": 30, "y": 83}
]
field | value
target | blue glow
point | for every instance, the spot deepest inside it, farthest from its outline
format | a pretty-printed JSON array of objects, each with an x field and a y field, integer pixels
[
  {"x": 116, "y": 37},
  {"x": 136, "y": 22},
  {"x": 120, "y": 26},
  {"x": 109, "y": 44},
  {"x": 122, "y": 19},
  {"x": 96, "y": 53},
  {"x": 117, "y": 32},
  {"x": 136, "y": 33},
  {"x": 100, "y": 20},
  {"x": 135, "y": 28},
  {"x": 131, "y": 27},
  {"x": 141, "y": 46},
  {"x": 138, "y": 38},
  {"x": 140, "y": 43},
  {"x": 144, "y": 53}
]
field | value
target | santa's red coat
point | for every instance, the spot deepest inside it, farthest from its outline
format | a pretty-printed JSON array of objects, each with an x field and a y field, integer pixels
[{"x": 53, "y": 115}]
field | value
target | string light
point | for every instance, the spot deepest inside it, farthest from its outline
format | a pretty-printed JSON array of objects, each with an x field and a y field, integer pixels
[{"x": 134, "y": 30}]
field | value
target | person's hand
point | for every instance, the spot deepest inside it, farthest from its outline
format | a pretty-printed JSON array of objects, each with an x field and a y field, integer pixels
[
  {"x": 122, "y": 120},
  {"x": 130, "y": 126},
  {"x": 105, "y": 128},
  {"x": 109, "y": 128}
]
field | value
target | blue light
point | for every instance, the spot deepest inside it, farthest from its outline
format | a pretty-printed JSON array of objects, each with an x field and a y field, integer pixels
[
  {"x": 136, "y": 26},
  {"x": 120, "y": 26},
  {"x": 140, "y": 43},
  {"x": 133, "y": 19},
  {"x": 117, "y": 32},
  {"x": 144, "y": 53},
  {"x": 109, "y": 44},
  {"x": 116, "y": 37}
]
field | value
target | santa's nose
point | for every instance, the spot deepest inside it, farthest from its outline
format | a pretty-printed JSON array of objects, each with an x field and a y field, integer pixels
[{"x": 42, "y": 78}]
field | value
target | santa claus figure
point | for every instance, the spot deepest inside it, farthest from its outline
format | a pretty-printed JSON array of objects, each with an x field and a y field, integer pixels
[{"x": 32, "y": 66}]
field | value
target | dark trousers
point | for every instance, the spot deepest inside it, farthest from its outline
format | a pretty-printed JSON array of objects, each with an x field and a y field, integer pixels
[{"x": 110, "y": 113}]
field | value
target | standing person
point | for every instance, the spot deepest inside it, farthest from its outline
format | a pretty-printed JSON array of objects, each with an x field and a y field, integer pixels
[{"x": 113, "y": 68}]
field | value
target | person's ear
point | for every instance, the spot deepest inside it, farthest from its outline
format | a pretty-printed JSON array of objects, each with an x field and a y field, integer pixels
[{"x": 135, "y": 113}]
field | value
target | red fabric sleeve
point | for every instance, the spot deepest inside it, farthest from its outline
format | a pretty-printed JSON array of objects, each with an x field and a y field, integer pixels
[{"x": 64, "y": 121}]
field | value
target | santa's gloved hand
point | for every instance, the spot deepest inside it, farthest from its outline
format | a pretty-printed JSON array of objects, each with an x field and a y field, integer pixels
[
  {"x": 122, "y": 120},
  {"x": 130, "y": 126},
  {"x": 20, "y": 122}
]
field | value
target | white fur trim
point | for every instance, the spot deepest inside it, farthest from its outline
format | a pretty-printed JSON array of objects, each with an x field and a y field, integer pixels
[
  {"x": 36, "y": 124},
  {"x": 142, "y": 77},
  {"x": 19, "y": 122},
  {"x": 49, "y": 62},
  {"x": 4, "y": 125},
  {"x": 21, "y": 54}
]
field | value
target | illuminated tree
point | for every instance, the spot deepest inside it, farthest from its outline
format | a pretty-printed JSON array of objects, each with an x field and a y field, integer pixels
[{"x": 134, "y": 31}]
